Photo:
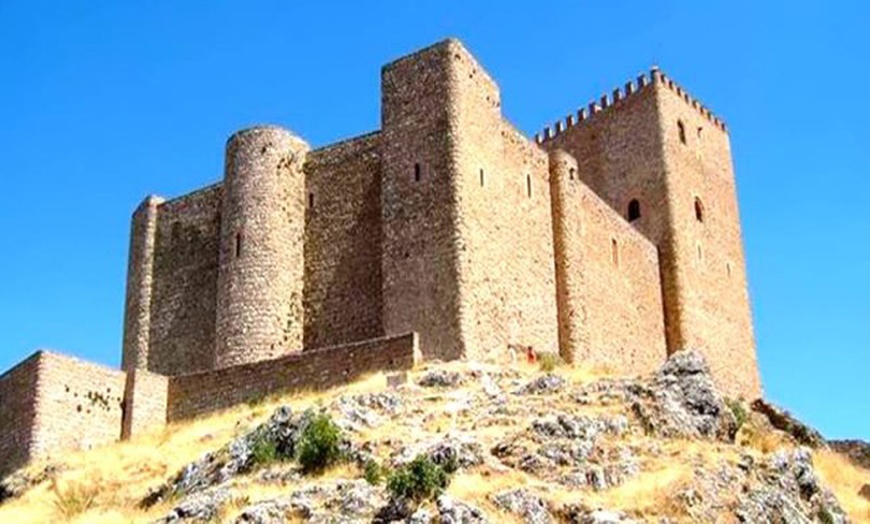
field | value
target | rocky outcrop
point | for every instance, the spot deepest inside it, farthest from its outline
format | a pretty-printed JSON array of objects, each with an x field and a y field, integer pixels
[
  {"x": 524, "y": 504},
  {"x": 858, "y": 451},
  {"x": 280, "y": 434},
  {"x": 784, "y": 421},
  {"x": 681, "y": 401},
  {"x": 17, "y": 483}
]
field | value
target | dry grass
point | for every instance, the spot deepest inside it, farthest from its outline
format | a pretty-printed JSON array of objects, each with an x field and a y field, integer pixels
[
  {"x": 104, "y": 485},
  {"x": 845, "y": 480}
]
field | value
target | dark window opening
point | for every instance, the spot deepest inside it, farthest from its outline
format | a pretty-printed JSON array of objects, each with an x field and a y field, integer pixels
[
  {"x": 728, "y": 268},
  {"x": 682, "y": 129},
  {"x": 615, "y": 249},
  {"x": 571, "y": 173},
  {"x": 311, "y": 200},
  {"x": 481, "y": 178},
  {"x": 699, "y": 209},
  {"x": 633, "y": 210},
  {"x": 238, "y": 248},
  {"x": 529, "y": 185},
  {"x": 416, "y": 172},
  {"x": 699, "y": 131}
]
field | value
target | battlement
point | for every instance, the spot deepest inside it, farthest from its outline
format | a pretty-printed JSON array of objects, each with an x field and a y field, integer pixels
[{"x": 616, "y": 98}]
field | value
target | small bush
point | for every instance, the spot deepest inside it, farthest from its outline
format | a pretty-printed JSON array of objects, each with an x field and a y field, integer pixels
[
  {"x": 373, "y": 472},
  {"x": 73, "y": 500},
  {"x": 737, "y": 408},
  {"x": 419, "y": 480},
  {"x": 264, "y": 451},
  {"x": 547, "y": 361},
  {"x": 320, "y": 444}
]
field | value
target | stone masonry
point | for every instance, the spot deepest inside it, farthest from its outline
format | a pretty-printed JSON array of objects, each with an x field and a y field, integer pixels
[{"x": 612, "y": 238}]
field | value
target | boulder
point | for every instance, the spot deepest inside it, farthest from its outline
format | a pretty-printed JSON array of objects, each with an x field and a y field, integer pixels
[{"x": 531, "y": 508}]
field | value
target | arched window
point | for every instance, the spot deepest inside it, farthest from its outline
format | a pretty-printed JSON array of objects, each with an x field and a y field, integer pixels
[
  {"x": 699, "y": 209},
  {"x": 416, "y": 172},
  {"x": 633, "y": 210},
  {"x": 682, "y": 129}
]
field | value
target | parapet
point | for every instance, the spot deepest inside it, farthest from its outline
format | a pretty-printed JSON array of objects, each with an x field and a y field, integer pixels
[{"x": 609, "y": 101}]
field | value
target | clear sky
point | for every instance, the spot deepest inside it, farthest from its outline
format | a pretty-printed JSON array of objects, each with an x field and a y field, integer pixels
[{"x": 102, "y": 105}]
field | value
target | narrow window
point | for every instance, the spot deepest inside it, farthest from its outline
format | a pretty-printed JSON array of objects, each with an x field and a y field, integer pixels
[
  {"x": 416, "y": 172},
  {"x": 699, "y": 210},
  {"x": 529, "y": 185},
  {"x": 310, "y": 200},
  {"x": 728, "y": 268},
  {"x": 700, "y": 129},
  {"x": 682, "y": 129},
  {"x": 238, "y": 248},
  {"x": 633, "y": 210},
  {"x": 614, "y": 246},
  {"x": 571, "y": 173},
  {"x": 481, "y": 178},
  {"x": 700, "y": 254}
]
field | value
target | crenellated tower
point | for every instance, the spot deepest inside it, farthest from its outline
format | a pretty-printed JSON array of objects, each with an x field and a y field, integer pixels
[
  {"x": 260, "y": 276},
  {"x": 663, "y": 161}
]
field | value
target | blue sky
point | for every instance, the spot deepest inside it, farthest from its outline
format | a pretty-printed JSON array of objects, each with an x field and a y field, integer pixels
[{"x": 103, "y": 104}]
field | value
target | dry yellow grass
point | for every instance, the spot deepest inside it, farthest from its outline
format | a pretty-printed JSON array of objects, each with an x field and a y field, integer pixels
[
  {"x": 119, "y": 475},
  {"x": 104, "y": 485},
  {"x": 845, "y": 480}
]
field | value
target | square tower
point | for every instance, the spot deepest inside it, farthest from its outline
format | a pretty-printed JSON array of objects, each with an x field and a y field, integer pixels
[
  {"x": 468, "y": 247},
  {"x": 663, "y": 161}
]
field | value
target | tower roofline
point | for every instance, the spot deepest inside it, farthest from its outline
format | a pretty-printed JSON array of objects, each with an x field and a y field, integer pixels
[{"x": 618, "y": 96}]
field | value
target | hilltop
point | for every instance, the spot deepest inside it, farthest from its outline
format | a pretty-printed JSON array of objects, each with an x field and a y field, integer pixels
[{"x": 518, "y": 444}]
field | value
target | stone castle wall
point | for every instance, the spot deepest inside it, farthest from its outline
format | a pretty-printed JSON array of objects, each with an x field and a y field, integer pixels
[
  {"x": 201, "y": 393},
  {"x": 610, "y": 302},
  {"x": 18, "y": 414},
  {"x": 79, "y": 404},
  {"x": 184, "y": 284},
  {"x": 343, "y": 243},
  {"x": 506, "y": 270}
]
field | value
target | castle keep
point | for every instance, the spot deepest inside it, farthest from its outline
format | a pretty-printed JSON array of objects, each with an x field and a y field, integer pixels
[{"x": 612, "y": 238}]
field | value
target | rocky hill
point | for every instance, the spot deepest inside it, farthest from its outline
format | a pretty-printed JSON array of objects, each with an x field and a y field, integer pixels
[{"x": 466, "y": 443}]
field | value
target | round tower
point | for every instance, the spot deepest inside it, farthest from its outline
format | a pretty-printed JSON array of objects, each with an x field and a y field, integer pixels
[{"x": 259, "y": 302}]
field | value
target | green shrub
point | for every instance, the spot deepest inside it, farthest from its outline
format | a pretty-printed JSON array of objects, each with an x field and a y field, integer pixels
[
  {"x": 419, "y": 480},
  {"x": 373, "y": 472},
  {"x": 320, "y": 444},
  {"x": 264, "y": 451},
  {"x": 549, "y": 361},
  {"x": 738, "y": 410}
]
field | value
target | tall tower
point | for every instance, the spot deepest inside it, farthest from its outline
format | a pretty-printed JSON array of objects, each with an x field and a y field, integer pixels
[
  {"x": 663, "y": 161},
  {"x": 468, "y": 249},
  {"x": 260, "y": 277}
]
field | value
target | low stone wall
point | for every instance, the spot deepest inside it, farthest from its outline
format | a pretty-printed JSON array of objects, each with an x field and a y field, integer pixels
[
  {"x": 78, "y": 405},
  {"x": 145, "y": 400},
  {"x": 17, "y": 414},
  {"x": 201, "y": 393}
]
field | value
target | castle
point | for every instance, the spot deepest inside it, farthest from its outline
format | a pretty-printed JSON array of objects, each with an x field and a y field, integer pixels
[{"x": 612, "y": 238}]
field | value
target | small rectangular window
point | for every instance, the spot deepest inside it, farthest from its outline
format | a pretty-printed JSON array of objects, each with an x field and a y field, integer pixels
[
  {"x": 238, "y": 247},
  {"x": 417, "y": 172}
]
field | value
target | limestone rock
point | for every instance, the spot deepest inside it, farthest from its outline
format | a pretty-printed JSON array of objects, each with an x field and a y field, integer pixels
[
  {"x": 681, "y": 401},
  {"x": 440, "y": 378},
  {"x": 199, "y": 507},
  {"x": 452, "y": 511},
  {"x": 543, "y": 385},
  {"x": 531, "y": 508}
]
